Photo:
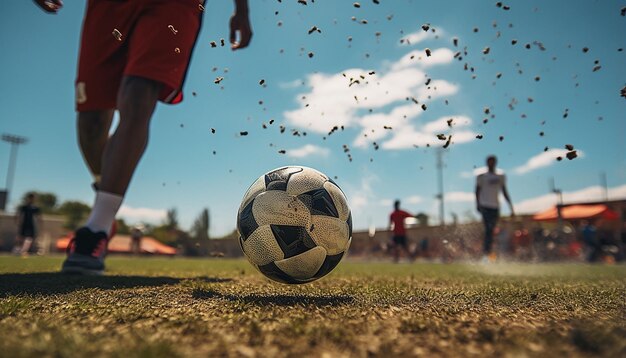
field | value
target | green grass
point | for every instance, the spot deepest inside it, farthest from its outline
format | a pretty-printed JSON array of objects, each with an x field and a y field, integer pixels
[{"x": 215, "y": 307}]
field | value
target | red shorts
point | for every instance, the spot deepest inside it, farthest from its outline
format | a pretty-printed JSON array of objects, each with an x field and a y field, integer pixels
[{"x": 153, "y": 39}]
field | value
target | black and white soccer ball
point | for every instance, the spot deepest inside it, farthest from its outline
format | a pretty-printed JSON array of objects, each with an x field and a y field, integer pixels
[{"x": 294, "y": 224}]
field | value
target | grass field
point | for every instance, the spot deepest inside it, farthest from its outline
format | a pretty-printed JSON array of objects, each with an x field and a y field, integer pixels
[{"x": 183, "y": 307}]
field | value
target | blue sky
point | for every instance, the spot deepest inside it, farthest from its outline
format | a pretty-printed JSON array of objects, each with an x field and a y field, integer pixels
[{"x": 180, "y": 170}]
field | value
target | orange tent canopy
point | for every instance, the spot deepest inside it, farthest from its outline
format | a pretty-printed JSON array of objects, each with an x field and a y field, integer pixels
[
  {"x": 122, "y": 244},
  {"x": 574, "y": 212}
]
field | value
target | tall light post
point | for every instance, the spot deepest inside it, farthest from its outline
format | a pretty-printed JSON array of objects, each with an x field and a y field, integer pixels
[
  {"x": 15, "y": 141},
  {"x": 559, "y": 204},
  {"x": 440, "y": 195}
]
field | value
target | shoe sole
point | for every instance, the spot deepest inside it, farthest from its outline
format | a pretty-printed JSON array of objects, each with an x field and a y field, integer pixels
[{"x": 81, "y": 271}]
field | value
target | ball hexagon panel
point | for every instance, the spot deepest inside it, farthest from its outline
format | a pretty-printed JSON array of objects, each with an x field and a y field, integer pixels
[
  {"x": 339, "y": 200},
  {"x": 255, "y": 189},
  {"x": 349, "y": 222},
  {"x": 277, "y": 179},
  {"x": 319, "y": 202},
  {"x": 306, "y": 180},
  {"x": 329, "y": 233},
  {"x": 261, "y": 248},
  {"x": 278, "y": 208},
  {"x": 272, "y": 271},
  {"x": 305, "y": 265},
  {"x": 293, "y": 240},
  {"x": 329, "y": 264},
  {"x": 246, "y": 223}
]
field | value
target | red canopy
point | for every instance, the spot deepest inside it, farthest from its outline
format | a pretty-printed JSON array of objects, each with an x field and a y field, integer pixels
[
  {"x": 122, "y": 244},
  {"x": 573, "y": 212}
]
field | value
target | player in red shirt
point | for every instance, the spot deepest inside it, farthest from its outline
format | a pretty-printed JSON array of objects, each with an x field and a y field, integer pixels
[
  {"x": 396, "y": 224},
  {"x": 132, "y": 55}
]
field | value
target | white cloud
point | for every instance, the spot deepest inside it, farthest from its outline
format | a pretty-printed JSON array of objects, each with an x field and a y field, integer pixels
[
  {"x": 308, "y": 150},
  {"x": 419, "y": 36},
  {"x": 414, "y": 38},
  {"x": 419, "y": 58},
  {"x": 460, "y": 196},
  {"x": 414, "y": 199},
  {"x": 589, "y": 194},
  {"x": 292, "y": 84},
  {"x": 339, "y": 100},
  {"x": 142, "y": 214},
  {"x": 543, "y": 159},
  {"x": 407, "y": 135},
  {"x": 363, "y": 196}
]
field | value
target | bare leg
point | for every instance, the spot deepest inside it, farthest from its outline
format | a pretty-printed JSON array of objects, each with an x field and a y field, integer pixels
[
  {"x": 137, "y": 99},
  {"x": 93, "y": 134},
  {"x": 17, "y": 247},
  {"x": 28, "y": 242}
]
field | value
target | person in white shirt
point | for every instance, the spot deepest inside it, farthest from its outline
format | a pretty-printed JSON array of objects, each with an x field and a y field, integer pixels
[{"x": 488, "y": 188}]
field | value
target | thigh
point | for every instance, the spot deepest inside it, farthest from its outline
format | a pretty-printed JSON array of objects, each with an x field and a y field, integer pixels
[
  {"x": 103, "y": 53},
  {"x": 492, "y": 217},
  {"x": 162, "y": 42}
]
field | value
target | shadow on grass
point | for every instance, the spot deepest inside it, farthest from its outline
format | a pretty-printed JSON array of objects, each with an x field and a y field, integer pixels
[
  {"x": 48, "y": 283},
  {"x": 276, "y": 300}
]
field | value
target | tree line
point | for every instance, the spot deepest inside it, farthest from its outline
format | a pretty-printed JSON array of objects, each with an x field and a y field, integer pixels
[{"x": 75, "y": 213}]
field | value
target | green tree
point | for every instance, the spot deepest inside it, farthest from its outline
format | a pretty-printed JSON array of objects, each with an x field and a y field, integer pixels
[
  {"x": 200, "y": 228},
  {"x": 75, "y": 213},
  {"x": 122, "y": 227},
  {"x": 171, "y": 221},
  {"x": 168, "y": 231},
  {"x": 422, "y": 219}
]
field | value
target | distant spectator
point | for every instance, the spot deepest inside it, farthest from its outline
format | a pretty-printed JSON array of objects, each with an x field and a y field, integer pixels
[
  {"x": 136, "y": 234},
  {"x": 26, "y": 228},
  {"x": 424, "y": 248},
  {"x": 396, "y": 224},
  {"x": 590, "y": 239}
]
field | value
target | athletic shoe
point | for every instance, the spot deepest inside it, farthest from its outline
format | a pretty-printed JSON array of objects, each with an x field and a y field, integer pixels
[{"x": 86, "y": 252}]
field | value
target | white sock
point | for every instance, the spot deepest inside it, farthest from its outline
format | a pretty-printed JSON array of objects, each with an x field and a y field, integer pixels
[{"x": 104, "y": 210}]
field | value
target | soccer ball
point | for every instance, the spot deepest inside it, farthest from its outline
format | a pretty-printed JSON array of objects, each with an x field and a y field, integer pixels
[{"x": 294, "y": 224}]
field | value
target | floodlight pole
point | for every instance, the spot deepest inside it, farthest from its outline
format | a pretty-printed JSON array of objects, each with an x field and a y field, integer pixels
[
  {"x": 559, "y": 204},
  {"x": 440, "y": 182},
  {"x": 15, "y": 141},
  {"x": 605, "y": 188}
]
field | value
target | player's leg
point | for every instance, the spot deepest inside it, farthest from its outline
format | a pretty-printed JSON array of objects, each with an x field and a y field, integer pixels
[
  {"x": 490, "y": 218},
  {"x": 486, "y": 236},
  {"x": 412, "y": 255},
  {"x": 28, "y": 242},
  {"x": 154, "y": 64},
  {"x": 101, "y": 65},
  {"x": 17, "y": 246},
  {"x": 137, "y": 100},
  {"x": 93, "y": 133},
  {"x": 396, "y": 249}
]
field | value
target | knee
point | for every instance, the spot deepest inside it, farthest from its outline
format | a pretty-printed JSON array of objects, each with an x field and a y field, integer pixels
[
  {"x": 93, "y": 125},
  {"x": 138, "y": 91}
]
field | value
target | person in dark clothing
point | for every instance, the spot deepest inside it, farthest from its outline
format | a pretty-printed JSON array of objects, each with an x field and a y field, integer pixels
[
  {"x": 26, "y": 228},
  {"x": 591, "y": 241}
]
